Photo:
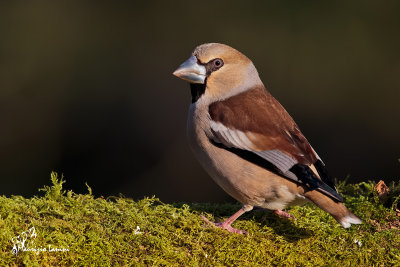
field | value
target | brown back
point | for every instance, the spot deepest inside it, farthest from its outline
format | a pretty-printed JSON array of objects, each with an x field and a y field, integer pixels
[{"x": 271, "y": 127}]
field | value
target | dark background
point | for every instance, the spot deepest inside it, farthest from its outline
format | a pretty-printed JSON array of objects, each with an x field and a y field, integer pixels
[{"x": 87, "y": 91}]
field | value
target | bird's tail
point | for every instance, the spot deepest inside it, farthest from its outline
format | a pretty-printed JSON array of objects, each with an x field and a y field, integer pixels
[{"x": 339, "y": 211}]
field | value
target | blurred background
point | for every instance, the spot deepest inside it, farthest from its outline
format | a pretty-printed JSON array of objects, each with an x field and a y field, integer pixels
[{"x": 86, "y": 88}]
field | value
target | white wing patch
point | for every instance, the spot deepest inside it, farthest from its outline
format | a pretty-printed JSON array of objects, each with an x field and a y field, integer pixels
[
  {"x": 281, "y": 160},
  {"x": 238, "y": 139},
  {"x": 231, "y": 137}
]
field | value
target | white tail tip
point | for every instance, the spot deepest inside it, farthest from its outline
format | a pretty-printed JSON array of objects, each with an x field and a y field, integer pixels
[{"x": 350, "y": 219}]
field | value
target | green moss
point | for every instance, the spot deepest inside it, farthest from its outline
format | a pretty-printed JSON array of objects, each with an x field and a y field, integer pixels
[{"x": 99, "y": 231}]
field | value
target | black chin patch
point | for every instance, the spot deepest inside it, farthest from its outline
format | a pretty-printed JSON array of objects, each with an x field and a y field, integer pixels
[{"x": 197, "y": 90}]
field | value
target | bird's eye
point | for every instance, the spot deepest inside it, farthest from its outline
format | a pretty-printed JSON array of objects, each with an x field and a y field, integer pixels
[
  {"x": 213, "y": 65},
  {"x": 218, "y": 63}
]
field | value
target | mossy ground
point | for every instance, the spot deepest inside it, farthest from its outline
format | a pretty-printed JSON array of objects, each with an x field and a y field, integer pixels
[{"x": 104, "y": 232}]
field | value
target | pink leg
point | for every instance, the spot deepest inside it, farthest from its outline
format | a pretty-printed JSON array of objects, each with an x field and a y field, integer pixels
[
  {"x": 284, "y": 214},
  {"x": 227, "y": 224}
]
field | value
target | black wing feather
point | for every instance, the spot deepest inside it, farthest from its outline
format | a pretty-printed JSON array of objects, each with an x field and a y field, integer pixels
[
  {"x": 308, "y": 177},
  {"x": 305, "y": 175},
  {"x": 323, "y": 173}
]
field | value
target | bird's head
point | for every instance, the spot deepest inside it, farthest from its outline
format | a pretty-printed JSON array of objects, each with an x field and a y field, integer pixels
[{"x": 222, "y": 70}]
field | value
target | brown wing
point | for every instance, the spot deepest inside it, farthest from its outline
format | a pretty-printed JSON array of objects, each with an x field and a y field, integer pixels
[{"x": 267, "y": 124}]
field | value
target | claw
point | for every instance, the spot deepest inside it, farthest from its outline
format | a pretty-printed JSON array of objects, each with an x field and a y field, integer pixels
[
  {"x": 281, "y": 213},
  {"x": 225, "y": 225}
]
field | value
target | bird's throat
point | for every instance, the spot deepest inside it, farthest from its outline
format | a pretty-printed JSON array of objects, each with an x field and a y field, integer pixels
[{"x": 197, "y": 90}]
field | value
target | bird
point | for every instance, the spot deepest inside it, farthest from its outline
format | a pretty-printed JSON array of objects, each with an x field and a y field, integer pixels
[{"x": 248, "y": 143}]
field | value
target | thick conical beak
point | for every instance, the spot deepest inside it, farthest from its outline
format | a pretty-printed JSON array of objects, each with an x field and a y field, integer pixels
[{"x": 191, "y": 71}]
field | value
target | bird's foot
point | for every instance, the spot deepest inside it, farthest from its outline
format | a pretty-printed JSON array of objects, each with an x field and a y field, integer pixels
[
  {"x": 281, "y": 213},
  {"x": 225, "y": 225}
]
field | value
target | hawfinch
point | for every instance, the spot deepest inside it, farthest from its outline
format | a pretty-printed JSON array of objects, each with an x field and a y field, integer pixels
[{"x": 248, "y": 143}]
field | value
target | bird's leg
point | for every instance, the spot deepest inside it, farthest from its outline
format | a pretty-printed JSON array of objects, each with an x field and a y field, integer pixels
[
  {"x": 227, "y": 224},
  {"x": 281, "y": 213}
]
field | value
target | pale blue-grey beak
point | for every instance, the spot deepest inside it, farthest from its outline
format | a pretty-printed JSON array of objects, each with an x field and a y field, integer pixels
[{"x": 191, "y": 71}]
